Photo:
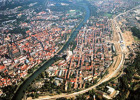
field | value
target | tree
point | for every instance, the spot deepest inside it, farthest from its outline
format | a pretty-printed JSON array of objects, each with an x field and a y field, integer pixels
[
  {"x": 136, "y": 32},
  {"x": 43, "y": 75},
  {"x": 69, "y": 87},
  {"x": 91, "y": 93},
  {"x": 46, "y": 74},
  {"x": 36, "y": 95},
  {"x": 22, "y": 79},
  {"x": 124, "y": 83},
  {"x": 30, "y": 71},
  {"x": 61, "y": 98},
  {"x": 58, "y": 91},
  {"x": 81, "y": 97}
]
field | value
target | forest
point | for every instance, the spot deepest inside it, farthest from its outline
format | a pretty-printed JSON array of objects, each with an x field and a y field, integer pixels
[
  {"x": 129, "y": 82},
  {"x": 136, "y": 32}
]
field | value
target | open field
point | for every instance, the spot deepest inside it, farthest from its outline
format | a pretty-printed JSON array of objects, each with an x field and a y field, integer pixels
[
  {"x": 114, "y": 66},
  {"x": 108, "y": 15},
  {"x": 128, "y": 38}
]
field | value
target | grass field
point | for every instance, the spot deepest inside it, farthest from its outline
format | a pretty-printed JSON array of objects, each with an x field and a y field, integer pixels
[
  {"x": 136, "y": 39},
  {"x": 108, "y": 15}
]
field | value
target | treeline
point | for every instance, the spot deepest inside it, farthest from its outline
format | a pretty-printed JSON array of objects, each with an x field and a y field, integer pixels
[
  {"x": 64, "y": 9},
  {"x": 15, "y": 3},
  {"x": 18, "y": 31},
  {"x": 47, "y": 87},
  {"x": 126, "y": 84},
  {"x": 8, "y": 91},
  {"x": 136, "y": 32},
  {"x": 86, "y": 96}
]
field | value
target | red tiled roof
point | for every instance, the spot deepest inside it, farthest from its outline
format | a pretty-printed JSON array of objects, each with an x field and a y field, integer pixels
[
  {"x": 2, "y": 67},
  {"x": 24, "y": 67}
]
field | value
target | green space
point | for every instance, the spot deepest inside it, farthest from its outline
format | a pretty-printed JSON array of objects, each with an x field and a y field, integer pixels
[
  {"x": 108, "y": 15},
  {"x": 73, "y": 13},
  {"x": 8, "y": 90},
  {"x": 48, "y": 86},
  {"x": 16, "y": 3},
  {"x": 136, "y": 32},
  {"x": 136, "y": 39},
  {"x": 129, "y": 83}
]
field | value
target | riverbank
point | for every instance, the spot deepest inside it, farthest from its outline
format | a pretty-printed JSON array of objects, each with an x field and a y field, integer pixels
[
  {"x": 21, "y": 91},
  {"x": 68, "y": 37}
]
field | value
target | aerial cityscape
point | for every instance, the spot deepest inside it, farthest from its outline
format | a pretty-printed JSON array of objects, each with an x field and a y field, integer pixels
[{"x": 69, "y": 49}]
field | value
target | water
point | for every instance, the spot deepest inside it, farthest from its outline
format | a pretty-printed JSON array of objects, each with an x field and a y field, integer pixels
[
  {"x": 21, "y": 91},
  {"x": 74, "y": 34}
]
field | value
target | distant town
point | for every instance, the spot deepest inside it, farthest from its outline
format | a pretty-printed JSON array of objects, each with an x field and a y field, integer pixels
[{"x": 63, "y": 55}]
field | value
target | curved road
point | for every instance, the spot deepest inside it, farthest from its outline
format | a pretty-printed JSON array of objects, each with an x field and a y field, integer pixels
[
  {"x": 103, "y": 80},
  {"x": 86, "y": 90},
  {"x": 21, "y": 90}
]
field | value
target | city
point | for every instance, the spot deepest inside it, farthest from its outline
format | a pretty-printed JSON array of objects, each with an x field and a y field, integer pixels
[{"x": 69, "y": 49}]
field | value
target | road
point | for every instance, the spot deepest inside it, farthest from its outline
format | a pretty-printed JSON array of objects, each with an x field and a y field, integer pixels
[
  {"x": 22, "y": 88},
  {"x": 126, "y": 11},
  {"x": 86, "y": 90},
  {"x": 119, "y": 32},
  {"x": 118, "y": 29}
]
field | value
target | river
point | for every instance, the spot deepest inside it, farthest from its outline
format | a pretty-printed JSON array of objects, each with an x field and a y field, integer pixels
[{"x": 21, "y": 90}]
